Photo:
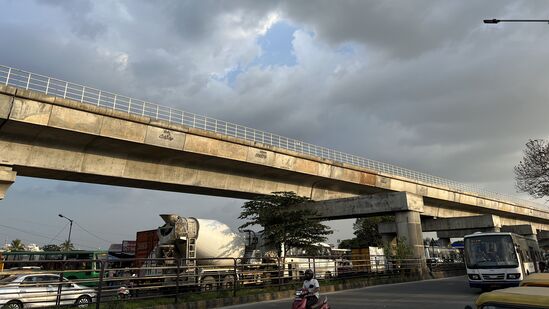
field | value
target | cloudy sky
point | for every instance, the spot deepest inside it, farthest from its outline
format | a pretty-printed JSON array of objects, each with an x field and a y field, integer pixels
[{"x": 420, "y": 84}]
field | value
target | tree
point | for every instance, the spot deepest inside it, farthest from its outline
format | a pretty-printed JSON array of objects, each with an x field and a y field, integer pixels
[
  {"x": 283, "y": 225},
  {"x": 66, "y": 246},
  {"x": 532, "y": 173},
  {"x": 51, "y": 247},
  {"x": 17, "y": 245},
  {"x": 366, "y": 233},
  {"x": 399, "y": 251}
]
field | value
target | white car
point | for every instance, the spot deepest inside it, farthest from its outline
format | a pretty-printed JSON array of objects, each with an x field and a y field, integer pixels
[{"x": 41, "y": 290}]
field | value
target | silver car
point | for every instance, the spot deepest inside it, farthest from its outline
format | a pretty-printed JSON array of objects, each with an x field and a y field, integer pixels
[{"x": 41, "y": 290}]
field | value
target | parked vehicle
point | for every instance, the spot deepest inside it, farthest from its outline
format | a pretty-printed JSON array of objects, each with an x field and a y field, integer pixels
[
  {"x": 42, "y": 290},
  {"x": 325, "y": 263},
  {"x": 369, "y": 259}
]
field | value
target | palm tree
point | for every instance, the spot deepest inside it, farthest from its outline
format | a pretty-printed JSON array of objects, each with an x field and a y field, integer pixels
[
  {"x": 66, "y": 246},
  {"x": 17, "y": 245}
]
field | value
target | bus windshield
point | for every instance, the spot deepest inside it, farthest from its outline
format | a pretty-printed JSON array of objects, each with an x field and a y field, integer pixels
[{"x": 490, "y": 251}]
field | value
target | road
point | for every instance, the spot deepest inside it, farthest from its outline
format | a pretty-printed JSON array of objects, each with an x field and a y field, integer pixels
[{"x": 448, "y": 293}]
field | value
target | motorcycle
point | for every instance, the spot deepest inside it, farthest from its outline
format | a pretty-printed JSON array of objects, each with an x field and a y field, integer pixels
[{"x": 300, "y": 301}]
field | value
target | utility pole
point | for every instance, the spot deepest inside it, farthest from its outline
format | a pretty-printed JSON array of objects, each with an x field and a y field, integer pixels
[{"x": 70, "y": 227}]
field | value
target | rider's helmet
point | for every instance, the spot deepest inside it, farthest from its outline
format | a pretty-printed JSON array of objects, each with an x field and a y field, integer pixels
[{"x": 309, "y": 274}]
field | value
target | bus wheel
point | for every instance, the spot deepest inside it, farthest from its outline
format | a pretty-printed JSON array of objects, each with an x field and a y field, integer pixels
[
  {"x": 228, "y": 282},
  {"x": 209, "y": 284}
]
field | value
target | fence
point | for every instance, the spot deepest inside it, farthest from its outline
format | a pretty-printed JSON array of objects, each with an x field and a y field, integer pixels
[
  {"x": 43, "y": 283},
  {"x": 63, "y": 89}
]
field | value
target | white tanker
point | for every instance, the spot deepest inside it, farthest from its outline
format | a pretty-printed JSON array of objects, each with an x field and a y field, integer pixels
[
  {"x": 208, "y": 248},
  {"x": 211, "y": 239},
  {"x": 210, "y": 251}
]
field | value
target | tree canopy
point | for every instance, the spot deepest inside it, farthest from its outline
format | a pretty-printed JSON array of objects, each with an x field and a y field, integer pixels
[
  {"x": 51, "y": 247},
  {"x": 366, "y": 232},
  {"x": 17, "y": 245},
  {"x": 532, "y": 173},
  {"x": 66, "y": 246},
  {"x": 282, "y": 223}
]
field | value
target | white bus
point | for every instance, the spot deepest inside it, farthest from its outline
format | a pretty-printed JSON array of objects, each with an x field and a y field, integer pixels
[
  {"x": 322, "y": 260},
  {"x": 496, "y": 260}
]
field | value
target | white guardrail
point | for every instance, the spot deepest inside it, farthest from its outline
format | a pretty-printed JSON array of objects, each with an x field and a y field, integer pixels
[{"x": 59, "y": 88}]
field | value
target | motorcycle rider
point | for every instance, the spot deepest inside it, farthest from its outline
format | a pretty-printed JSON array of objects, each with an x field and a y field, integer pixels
[{"x": 312, "y": 286}]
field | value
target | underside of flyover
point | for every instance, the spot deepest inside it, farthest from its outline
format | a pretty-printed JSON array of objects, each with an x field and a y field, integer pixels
[{"x": 29, "y": 135}]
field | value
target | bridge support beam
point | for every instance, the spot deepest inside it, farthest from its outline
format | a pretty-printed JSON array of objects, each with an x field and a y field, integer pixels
[
  {"x": 461, "y": 223},
  {"x": 7, "y": 178},
  {"x": 463, "y": 232},
  {"x": 525, "y": 230}
]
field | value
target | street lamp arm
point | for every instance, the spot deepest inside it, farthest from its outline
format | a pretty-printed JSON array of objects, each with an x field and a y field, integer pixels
[
  {"x": 497, "y": 21},
  {"x": 70, "y": 228}
]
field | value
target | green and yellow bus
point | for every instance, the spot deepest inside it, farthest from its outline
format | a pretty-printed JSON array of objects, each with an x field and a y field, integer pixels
[{"x": 79, "y": 265}]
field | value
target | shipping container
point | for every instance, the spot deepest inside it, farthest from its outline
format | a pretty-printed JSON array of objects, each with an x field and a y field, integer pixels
[{"x": 145, "y": 241}]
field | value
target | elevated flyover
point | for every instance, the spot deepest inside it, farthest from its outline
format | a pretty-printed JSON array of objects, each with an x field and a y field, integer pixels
[{"x": 59, "y": 130}]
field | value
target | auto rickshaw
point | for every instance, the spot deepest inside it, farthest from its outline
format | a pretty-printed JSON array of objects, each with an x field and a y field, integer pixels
[
  {"x": 522, "y": 297},
  {"x": 537, "y": 279}
]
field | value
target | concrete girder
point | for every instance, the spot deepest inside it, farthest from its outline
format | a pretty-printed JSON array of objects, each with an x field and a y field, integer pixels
[
  {"x": 522, "y": 229},
  {"x": 462, "y": 233},
  {"x": 460, "y": 223},
  {"x": 366, "y": 205}
]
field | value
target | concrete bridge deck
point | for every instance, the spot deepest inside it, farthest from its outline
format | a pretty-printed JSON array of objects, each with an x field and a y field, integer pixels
[{"x": 50, "y": 137}]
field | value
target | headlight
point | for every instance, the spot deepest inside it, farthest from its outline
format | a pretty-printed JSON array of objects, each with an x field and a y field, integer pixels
[
  {"x": 513, "y": 276},
  {"x": 474, "y": 277}
]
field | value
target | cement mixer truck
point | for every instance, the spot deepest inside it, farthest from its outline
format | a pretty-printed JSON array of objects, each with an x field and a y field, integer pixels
[
  {"x": 215, "y": 257},
  {"x": 210, "y": 252}
]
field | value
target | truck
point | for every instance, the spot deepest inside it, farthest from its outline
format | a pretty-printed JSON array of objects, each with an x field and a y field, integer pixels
[
  {"x": 208, "y": 248},
  {"x": 214, "y": 256},
  {"x": 368, "y": 259}
]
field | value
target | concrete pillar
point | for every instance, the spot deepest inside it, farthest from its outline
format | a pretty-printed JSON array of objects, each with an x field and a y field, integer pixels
[
  {"x": 543, "y": 240},
  {"x": 7, "y": 177},
  {"x": 444, "y": 242},
  {"x": 408, "y": 225}
]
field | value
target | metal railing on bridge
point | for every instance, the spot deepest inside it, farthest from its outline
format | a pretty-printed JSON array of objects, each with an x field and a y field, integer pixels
[{"x": 84, "y": 94}]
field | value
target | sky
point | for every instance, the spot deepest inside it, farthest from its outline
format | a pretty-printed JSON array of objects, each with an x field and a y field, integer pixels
[{"x": 419, "y": 84}]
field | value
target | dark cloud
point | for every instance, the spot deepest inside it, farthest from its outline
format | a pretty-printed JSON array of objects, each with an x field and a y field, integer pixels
[
  {"x": 400, "y": 28},
  {"x": 422, "y": 84},
  {"x": 80, "y": 17}
]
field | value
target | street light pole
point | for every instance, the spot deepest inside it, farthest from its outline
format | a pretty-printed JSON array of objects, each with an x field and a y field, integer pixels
[
  {"x": 70, "y": 227},
  {"x": 497, "y": 21}
]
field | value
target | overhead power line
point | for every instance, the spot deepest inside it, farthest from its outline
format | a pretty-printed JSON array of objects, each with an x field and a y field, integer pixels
[
  {"x": 92, "y": 234},
  {"x": 42, "y": 236},
  {"x": 55, "y": 237}
]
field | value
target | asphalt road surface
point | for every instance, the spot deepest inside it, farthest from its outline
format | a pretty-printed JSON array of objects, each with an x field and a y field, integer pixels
[{"x": 448, "y": 293}]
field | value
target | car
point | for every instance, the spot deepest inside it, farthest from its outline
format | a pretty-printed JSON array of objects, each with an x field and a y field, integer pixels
[
  {"x": 41, "y": 290},
  {"x": 537, "y": 279},
  {"x": 523, "y": 297}
]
